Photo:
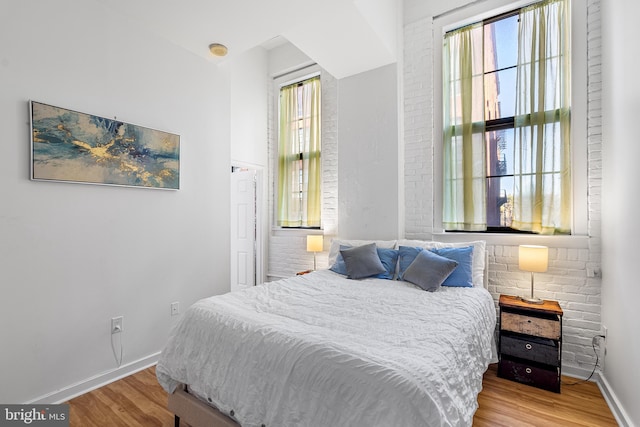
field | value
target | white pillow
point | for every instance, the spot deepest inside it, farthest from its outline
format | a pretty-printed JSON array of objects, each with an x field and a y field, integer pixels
[
  {"x": 479, "y": 247},
  {"x": 334, "y": 250}
]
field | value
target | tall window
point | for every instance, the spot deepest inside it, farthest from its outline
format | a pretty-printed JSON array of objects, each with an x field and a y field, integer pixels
[
  {"x": 506, "y": 100},
  {"x": 299, "y": 169}
]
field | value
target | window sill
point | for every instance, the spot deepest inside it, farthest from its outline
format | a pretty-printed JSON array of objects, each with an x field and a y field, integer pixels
[
  {"x": 569, "y": 242},
  {"x": 294, "y": 232}
]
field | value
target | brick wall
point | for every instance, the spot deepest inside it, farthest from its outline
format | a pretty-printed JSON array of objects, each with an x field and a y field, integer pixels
[
  {"x": 566, "y": 280},
  {"x": 418, "y": 129}
]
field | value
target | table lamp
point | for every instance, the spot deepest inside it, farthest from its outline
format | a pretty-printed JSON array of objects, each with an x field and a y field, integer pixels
[
  {"x": 315, "y": 244},
  {"x": 533, "y": 258}
]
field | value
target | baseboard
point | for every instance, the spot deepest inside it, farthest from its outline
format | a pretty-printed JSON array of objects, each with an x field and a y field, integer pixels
[
  {"x": 84, "y": 386},
  {"x": 578, "y": 372},
  {"x": 614, "y": 404}
]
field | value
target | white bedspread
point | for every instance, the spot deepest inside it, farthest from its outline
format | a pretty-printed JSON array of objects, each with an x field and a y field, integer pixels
[{"x": 321, "y": 350}]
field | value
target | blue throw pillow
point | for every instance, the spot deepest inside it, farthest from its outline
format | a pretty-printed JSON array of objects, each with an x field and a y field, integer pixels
[
  {"x": 462, "y": 276},
  {"x": 388, "y": 257},
  {"x": 339, "y": 266}
]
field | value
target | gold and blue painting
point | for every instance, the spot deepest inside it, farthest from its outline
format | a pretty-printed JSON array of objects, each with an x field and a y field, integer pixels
[{"x": 69, "y": 146}]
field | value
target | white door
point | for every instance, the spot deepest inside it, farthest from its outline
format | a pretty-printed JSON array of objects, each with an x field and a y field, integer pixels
[{"x": 243, "y": 229}]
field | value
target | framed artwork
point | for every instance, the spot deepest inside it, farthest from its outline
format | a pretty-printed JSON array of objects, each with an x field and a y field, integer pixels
[{"x": 68, "y": 146}]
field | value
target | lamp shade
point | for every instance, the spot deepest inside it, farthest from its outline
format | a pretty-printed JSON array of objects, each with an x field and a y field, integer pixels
[
  {"x": 315, "y": 243},
  {"x": 533, "y": 258}
]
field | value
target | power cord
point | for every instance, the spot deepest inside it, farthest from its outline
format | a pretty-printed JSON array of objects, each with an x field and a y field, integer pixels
[
  {"x": 593, "y": 344},
  {"x": 113, "y": 347}
]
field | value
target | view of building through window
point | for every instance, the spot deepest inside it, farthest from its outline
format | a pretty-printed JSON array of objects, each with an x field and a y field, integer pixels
[{"x": 500, "y": 60}]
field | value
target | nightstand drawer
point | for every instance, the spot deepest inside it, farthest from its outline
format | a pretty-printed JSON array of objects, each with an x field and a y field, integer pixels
[
  {"x": 532, "y": 374},
  {"x": 539, "y": 350},
  {"x": 530, "y": 325}
]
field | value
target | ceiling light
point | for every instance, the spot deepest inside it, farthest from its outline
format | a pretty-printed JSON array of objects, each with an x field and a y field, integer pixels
[{"x": 218, "y": 49}]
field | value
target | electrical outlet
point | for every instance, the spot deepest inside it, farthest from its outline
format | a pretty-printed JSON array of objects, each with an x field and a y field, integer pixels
[
  {"x": 175, "y": 308},
  {"x": 116, "y": 325},
  {"x": 605, "y": 331},
  {"x": 593, "y": 271}
]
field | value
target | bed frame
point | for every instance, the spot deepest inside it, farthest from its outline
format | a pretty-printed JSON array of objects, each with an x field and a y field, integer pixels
[{"x": 194, "y": 412}]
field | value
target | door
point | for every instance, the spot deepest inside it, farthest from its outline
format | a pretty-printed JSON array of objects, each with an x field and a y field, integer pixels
[{"x": 243, "y": 229}]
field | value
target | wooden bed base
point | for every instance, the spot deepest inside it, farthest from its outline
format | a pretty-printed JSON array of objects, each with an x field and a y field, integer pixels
[{"x": 194, "y": 412}]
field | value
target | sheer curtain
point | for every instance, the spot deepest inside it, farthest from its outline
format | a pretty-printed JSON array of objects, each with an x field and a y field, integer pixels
[
  {"x": 299, "y": 171},
  {"x": 542, "y": 199},
  {"x": 464, "y": 149}
]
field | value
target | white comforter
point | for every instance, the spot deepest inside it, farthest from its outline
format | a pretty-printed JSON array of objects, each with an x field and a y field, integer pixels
[{"x": 321, "y": 350}]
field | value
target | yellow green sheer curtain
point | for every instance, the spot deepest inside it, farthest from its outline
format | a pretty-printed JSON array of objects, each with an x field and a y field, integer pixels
[
  {"x": 542, "y": 199},
  {"x": 464, "y": 165},
  {"x": 299, "y": 167}
]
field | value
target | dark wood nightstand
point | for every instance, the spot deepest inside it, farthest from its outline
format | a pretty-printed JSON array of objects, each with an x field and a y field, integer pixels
[{"x": 530, "y": 343}]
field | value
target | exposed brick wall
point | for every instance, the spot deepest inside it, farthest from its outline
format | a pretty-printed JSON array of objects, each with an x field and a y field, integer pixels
[
  {"x": 418, "y": 129},
  {"x": 566, "y": 279}
]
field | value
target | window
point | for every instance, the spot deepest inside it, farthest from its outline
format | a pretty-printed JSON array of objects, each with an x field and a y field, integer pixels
[
  {"x": 506, "y": 122},
  {"x": 299, "y": 167}
]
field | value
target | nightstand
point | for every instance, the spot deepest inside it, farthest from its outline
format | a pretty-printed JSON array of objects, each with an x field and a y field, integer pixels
[
  {"x": 530, "y": 342},
  {"x": 300, "y": 273}
]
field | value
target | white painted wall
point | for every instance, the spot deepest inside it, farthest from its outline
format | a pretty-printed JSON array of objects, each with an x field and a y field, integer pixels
[
  {"x": 73, "y": 256},
  {"x": 621, "y": 198},
  {"x": 249, "y": 79},
  {"x": 368, "y": 153},
  {"x": 248, "y": 75}
]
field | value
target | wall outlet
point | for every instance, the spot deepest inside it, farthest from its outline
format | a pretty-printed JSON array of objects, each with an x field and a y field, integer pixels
[
  {"x": 602, "y": 349},
  {"x": 116, "y": 325},
  {"x": 593, "y": 271},
  {"x": 175, "y": 308}
]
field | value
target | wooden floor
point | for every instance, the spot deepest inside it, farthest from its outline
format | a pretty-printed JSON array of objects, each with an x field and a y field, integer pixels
[{"x": 138, "y": 400}]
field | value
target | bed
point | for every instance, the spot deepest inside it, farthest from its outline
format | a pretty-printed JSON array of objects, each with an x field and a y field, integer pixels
[{"x": 322, "y": 349}]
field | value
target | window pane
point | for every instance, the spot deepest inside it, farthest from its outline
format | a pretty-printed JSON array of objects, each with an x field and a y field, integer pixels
[
  {"x": 499, "y": 93},
  {"x": 458, "y": 98},
  {"x": 501, "y": 44},
  {"x": 499, "y": 201},
  {"x": 500, "y": 146}
]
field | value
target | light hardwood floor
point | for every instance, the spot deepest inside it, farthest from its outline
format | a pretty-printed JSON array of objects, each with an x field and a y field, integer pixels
[{"x": 138, "y": 400}]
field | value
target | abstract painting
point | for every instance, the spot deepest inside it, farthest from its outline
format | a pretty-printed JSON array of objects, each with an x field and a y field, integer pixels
[{"x": 69, "y": 146}]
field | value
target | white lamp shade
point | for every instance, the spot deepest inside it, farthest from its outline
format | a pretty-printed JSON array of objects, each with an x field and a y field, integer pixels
[
  {"x": 315, "y": 243},
  {"x": 533, "y": 258}
]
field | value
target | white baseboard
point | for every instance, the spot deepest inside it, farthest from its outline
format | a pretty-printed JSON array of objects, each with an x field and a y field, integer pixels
[
  {"x": 609, "y": 396},
  {"x": 614, "y": 404},
  {"x": 84, "y": 386},
  {"x": 578, "y": 372}
]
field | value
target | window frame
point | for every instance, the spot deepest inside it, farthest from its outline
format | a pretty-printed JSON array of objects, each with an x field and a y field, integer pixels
[
  {"x": 289, "y": 79},
  {"x": 486, "y": 11}
]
